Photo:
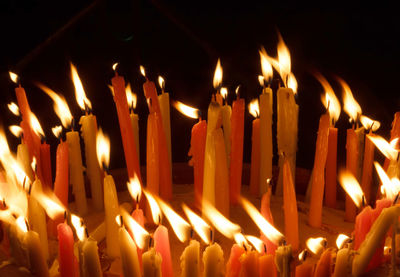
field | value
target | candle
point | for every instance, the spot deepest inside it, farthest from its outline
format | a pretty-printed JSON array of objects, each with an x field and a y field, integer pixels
[
  {"x": 324, "y": 265},
  {"x": 45, "y": 163},
  {"x": 283, "y": 257},
  {"x": 40, "y": 148},
  {"x": 128, "y": 140},
  {"x": 233, "y": 266},
  {"x": 343, "y": 257},
  {"x": 249, "y": 264},
  {"x": 266, "y": 265},
  {"x": 37, "y": 259},
  {"x": 190, "y": 260},
  {"x": 306, "y": 268},
  {"x": 22, "y": 152},
  {"x": 66, "y": 251},
  {"x": 290, "y": 208},
  {"x": 266, "y": 111},
  {"x": 163, "y": 99},
  {"x": 91, "y": 261},
  {"x": 213, "y": 259},
  {"x": 318, "y": 175},
  {"x": 88, "y": 124},
  {"x": 222, "y": 179},
  {"x": 226, "y": 112},
  {"x": 394, "y": 133},
  {"x": 152, "y": 263},
  {"x": 152, "y": 158},
  {"x": 255, "y": 149},
  {"x": 165, "y": 178},
  {"x": 236, "y": 164},
  {"x": 132, "y": 101},
  {"x": 265, "y": 210}
]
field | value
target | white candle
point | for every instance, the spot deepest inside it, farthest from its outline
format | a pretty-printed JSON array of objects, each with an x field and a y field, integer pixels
[
  {"x": 151, "y": 262},
  {"x": 37, "y": 260},
  {"x": 213, "y": 258},
  {"x": 190, "y": 260},
  {"x": 129, "y": 256},
  {"x": 283, "y": 256}
]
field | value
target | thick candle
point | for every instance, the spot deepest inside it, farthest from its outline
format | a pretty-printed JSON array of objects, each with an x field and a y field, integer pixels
[
  {"x": 66, "y": 251},
  {"x": 152, "y": 263},
  {"x": 233, "y": 265},
  {"x": 283, "y": 256},
  {"x": 91, "y": 261},
  {"x": 37, "y": 259},
  {"x": 213, "y": 259},
  {"x": 249, "y": 264},
  {"x": 331, "y": 169},
  {"x": 161, "y": 244},
  {"x": 221, "y": 174},
  {"x": 343, "y": 262},
  {"x": 111, "y": 210},
  {"x": 190, "y": 260},
  {"x": 267, "y": 265}
]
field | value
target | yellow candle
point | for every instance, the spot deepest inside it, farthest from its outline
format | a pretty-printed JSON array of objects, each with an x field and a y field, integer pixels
[
  {"x": 135, "y": 126},
  {"x": 163, "y": 99},
  {"x": 226, "y": 112},
  {"x": 151, "y": 263},
  {"x": 24, "y": 160},
  {"x": 213, "y": 259},
  {"x": 283, "y": 256},
  {"x": 111, "y": 209},
  {"x": 91, "y": 261},
  {"x": 129, "y": 255},
  {"x": 37, "y": 260},
  {"x": 190, "y": 260},
  {"x": 343, "y": 262}
]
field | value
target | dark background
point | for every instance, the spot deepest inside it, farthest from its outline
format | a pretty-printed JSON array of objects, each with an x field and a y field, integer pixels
[{"x": 182, "y": 42}]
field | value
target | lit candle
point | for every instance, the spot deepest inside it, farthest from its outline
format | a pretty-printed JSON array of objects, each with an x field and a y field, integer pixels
[
  {"x": 343, "y": 257},
  {"x": 266, "y": 111},
  {"x": 389, "y": 151},
  {"x": 152, "y": 158},
  {"x": 152, "y": 263},
  {"x": 306, "y": 268},
  {"x": 43, "y": 160},
  {"x": 132, "y": 101},
  {"x": 233, "y": 266},
  {"x": 66, "y": 251},
  {"x": 255, "y": 149},
  {"x": 88, "y": 124},
  {"x": 332, "y": 105},
  {"x": 222, "y": 180},
  {"x": 37, "y": 259},
  {"x": 394, "y": 134},
  {"x": 323, "y": 255},
  {"x": 213, "y": 259},
  {"x": 226, "y": 112},
  {"x": 22, "y": 152},
  {"x": 354, "y": 144},
  {"x": 265, "y": 210},
  {"x": 163, "y": 99},
  {"x": 266, "y": 263}
]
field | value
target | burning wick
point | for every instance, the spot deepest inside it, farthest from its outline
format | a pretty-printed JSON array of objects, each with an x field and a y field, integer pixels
[{"x": 114, "y": 67}]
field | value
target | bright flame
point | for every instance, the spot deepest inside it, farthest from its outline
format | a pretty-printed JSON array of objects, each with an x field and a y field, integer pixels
[
  {"x": 77, "y": 222},
  {"x": 241, "y": 240},
  {"x": 385, "y": 147},
  {"x": 254, "y": 108},
  {"x": 130, "y": 97},
  {"x": 186, "y": 110},
  {"x": 13, "y": 77},
  {"x": 350, "y": 105},
  {"x": 139, "y": 233},
  {"x": 60, "y": 106},
  {"x": 80, "y": 95},
  {"x": 257, "y": 244},
  {"x": 21, "y": 223},
  {"x": 114, "y": 66},
  {"x": 368, "y": 123},
  {"x": 292, "y": 82},
  {"x": 179, "y": 225},
  {"x": 50, "y": 203},
  {"x": 198, "y": 224},
  {"x": 329, "y": 100},
  {"x": 352, "y": 187},
  {"x": 389, "y": 187},
  {"x": 13, "y": 108},
  {"x": 161, "y": 82},
  {"x": 266, "y": 66},
  {"x": 218, "y": 75},
  {"x": 103, "y": 148},
  {"x": 134, "y": 187},
  {"x": 118, "y": 219},
  {"x": 266, "y": 228},
  {"x": 261, "y": 80},
  {"x": 341, "y": 239},
  {"x": 224, "y": 92},
  {"x": 316, "y": 245},
  {"x": 57, "y": 131},
  {"x": 302, "y": 256},
  {"x": 142, "y": 70},
  {"x": 221, "y": 223},
  {"x": 35, "y": 124},
  {"x": 284, "y": 60},
  {"x": 34, "y": 164},
  {"x": 154, "y": 207},
  {"x": 16, "y": 130}
]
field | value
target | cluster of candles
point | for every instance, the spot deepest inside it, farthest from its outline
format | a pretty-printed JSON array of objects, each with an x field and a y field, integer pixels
[{"x": 28, "y": 192}]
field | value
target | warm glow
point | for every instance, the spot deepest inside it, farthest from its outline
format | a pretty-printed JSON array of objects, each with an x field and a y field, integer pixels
[
  {"x": 185, "y": 109},
  {"x": 261, "y": 80},
  {"x": 198, "y": 224},
  {"x": 329, "y": 100},
  {"x": 316, "y": 245},
  {"x": 257, "y": 244},
  {"x": 34, "y": 164},
  {"x": 118, "y": 219},
  {"x": 254, "y": 108},
  {"x": 341, "y": 240},
  {"x": 161, "y": 82},
  {"x": 77, "y": 222},
  {"x": 114, "y": 66},
  {"x": 292, "y": 82},
  {"x": 130, "y": 96},
  {"x": 218, "y": 75},
  {"x": 80, "y": 94},
  {"x": 50, "y": 203},
  {"x": 21, "y": 223},
  {"x": 284, "y": 60},
  {"x": 266, "y": 228},
  {"x": 351, "y": 186},
  {"x": 390, "y": 187},
  {"x": 103, "y": 149},
  {"x": 16, "y": 130},
  {"x": 154, "y": 207},
  {"x": 13, "y": 108},
  {"x": 13, "y": 77},
  {"x": 241, "y": 240},
  {"x": 368, "y": 123},
  {"x": 60, "y": 106},
  {"x": 224, "y": 92},
  {"x": 139, "y": 233},
  {"x": 266, "y": 67},
  {"x": 303, "y": 255},
  {"x": 385, "y": 147},
  {"x": 142, "y": 71},
  {"x": 220, "y": 222},
  {"x": 35, "y": 125},
  {"x": 350, "y": 105},
  {"x": 57, "y": 131},
  {"x": 134, "y": 188},
  {"x": 179, "y": 225}
]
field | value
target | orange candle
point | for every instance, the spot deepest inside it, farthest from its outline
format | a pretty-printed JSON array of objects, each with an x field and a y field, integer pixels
[
  {"x": 290, "y": 208},
  {"x": 266, "y": 213},
  {"x": 255, "y": 150},
  {"x": 152, "y": 171},
  {"x": 324, "y": 265},
  {"x": 236, "y": 164},
  {"x": 45, "y": 164},
  {"x": 128, "y": 139},
  {"x": 318, "y": 176},
  {"x": 267, "y": 266},
  {"x": 221, "y": 174},
  {"x": 331, "y": 169}
]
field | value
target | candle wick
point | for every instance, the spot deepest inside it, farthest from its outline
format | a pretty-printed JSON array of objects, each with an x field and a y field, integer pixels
[{"x": 265, "y": 248}]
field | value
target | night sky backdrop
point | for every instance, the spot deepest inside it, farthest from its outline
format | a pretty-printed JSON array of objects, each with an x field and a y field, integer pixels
[{"x": 182, "y": 41}]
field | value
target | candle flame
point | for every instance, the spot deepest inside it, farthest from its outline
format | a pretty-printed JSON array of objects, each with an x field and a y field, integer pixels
[
  {"x": 350, "y": 105},
  {"x": 60, "y": 106},
  {"x": 316, "y": 245},
  {"x": 179, "y": 225},
  {"x": 385, "y": 147},
  {"x": 218, "y": 75},
  {"x": 257, "y": 244},
  {"x": 351, "y": 186},
  {"x": 241, "y": 240},
  {"x": 261, "y": 80},
  {"x": 50, "y": 203},
  {"x": 118, "y": 219},
  {"x": 77, "y": 222},
  {"x": 80, "y": 94},
  {"x": 161, "y": 82},
  {"x": 302, "y": 256},
  {"x": 130, "y": 96},
  {"x": 35, "y": 124},
  {"x": 103, "y": 149},
  {"x": 292, "y": 82},
  {"x": 114, "y": 66},
  {"x": 369, "y": 123},
  {"x": 198, "y": 224},
  {"x": 185, "y": 109},
  {"x": 254, "y": 108},
  {"x": 154, "y": 207},
  {"x": 13, "y": 108},
  {"x": 134, "y": 187},
  {"x": 220, "y": 222},
  {"x": 387, "y": 250},
  {"x": 16, "y": 130},
  {"x": 266, "y": 67},
  {"x": 34, "y": 164},
  {"x": 284, "y": 60},
  {"x": 142, "y": 70},
  {"x": 341, "y": 240},
  {"x": 21, "y": 223},
  {"x": 266, "y": 228},
  {"x": 224, "y": 92},
  {"x": 329, "y": 100},
  {"x": 390, "y": 187},
  {"x": 57, "y": 131},
  {"x": 139, "y": 233},
  {"x": 14, "y": 77}
]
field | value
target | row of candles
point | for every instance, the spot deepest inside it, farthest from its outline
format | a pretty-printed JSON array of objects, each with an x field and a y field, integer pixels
[{"x": 217, "y": 159}]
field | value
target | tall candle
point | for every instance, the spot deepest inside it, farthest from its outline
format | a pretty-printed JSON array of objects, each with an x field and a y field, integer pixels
[
  {"x": 152, "y": 158},
  {"x": 290, "y": 208},
  {"x": 226, "y": 113},
  {"x": 318, "y": 176},
  {"x": 132, "y": 100},
  {"x": 190, "y": 260},
  {"x": 163, "y": 99},
  {"x": 129, "y": 256},
  {"x": 66, "y": 251},
  {"x": 162, "y": 246},
  {"x": 45, "y": 164},
  {"x": 213, "y": 259},
  {"x": 37, "y": 259},
  {"x": 255, "y": 158},
  {"x": 222, "y": 187},
  {"x": 111, "y": 210}
]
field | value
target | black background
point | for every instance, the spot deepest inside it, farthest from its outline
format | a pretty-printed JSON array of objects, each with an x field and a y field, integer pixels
[{"x": 182, "y": 41}]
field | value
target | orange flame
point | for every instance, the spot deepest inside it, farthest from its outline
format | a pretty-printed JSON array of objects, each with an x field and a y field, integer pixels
[
  {"x": 329, "y": 100},
  {"x": 142, "y": 70},
  {"x": 114, "y": 66},
  {"x": 198, "y": 224},
  {"x": 22, "y": 224},
  {"x": 134, "y": 188},
  {"x": 292, "y": 82},
  {"x": 266, "y": 66},
  {"x": 254, "y": 108},
  {"x": 316, "y": 245},
  {"x": 224, "y": 92},
  {"x": 351, "y": 186},
  {"x": 50, "y": 203},
  {"x": 13, "y": 108},
  {"x": 161, "y": 82},
  {"x": 221, "y": 223},
  {"x": 385, "y": 147},
  {"x": 257, "y": 243},
  {"x": 241, "y": 240},
  {"x": 186, "y": 110},
  {"x": 154, "y": 207},
  {"x": 390, "y": 187},
  {"x": 35, "y": 124},
  {"x": 14, "y": 77},
  {"x": 80, "y": 94},
  {"x": 368, "y": 123},
  {"x": 103, "y": 149},
  {"x": 283, "y": 59},
  {"x": 16, "y": 130},
  {"x": 77, "y": 222},
  {"x": 57, "y": 131},
  {"x": 350, "y": 105},
  {"x": 130, "y": 96},
  {"x": 139, "y": 233},
  {"x": 218, "y": 75},
  {"x": 341, "y": 239}
]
